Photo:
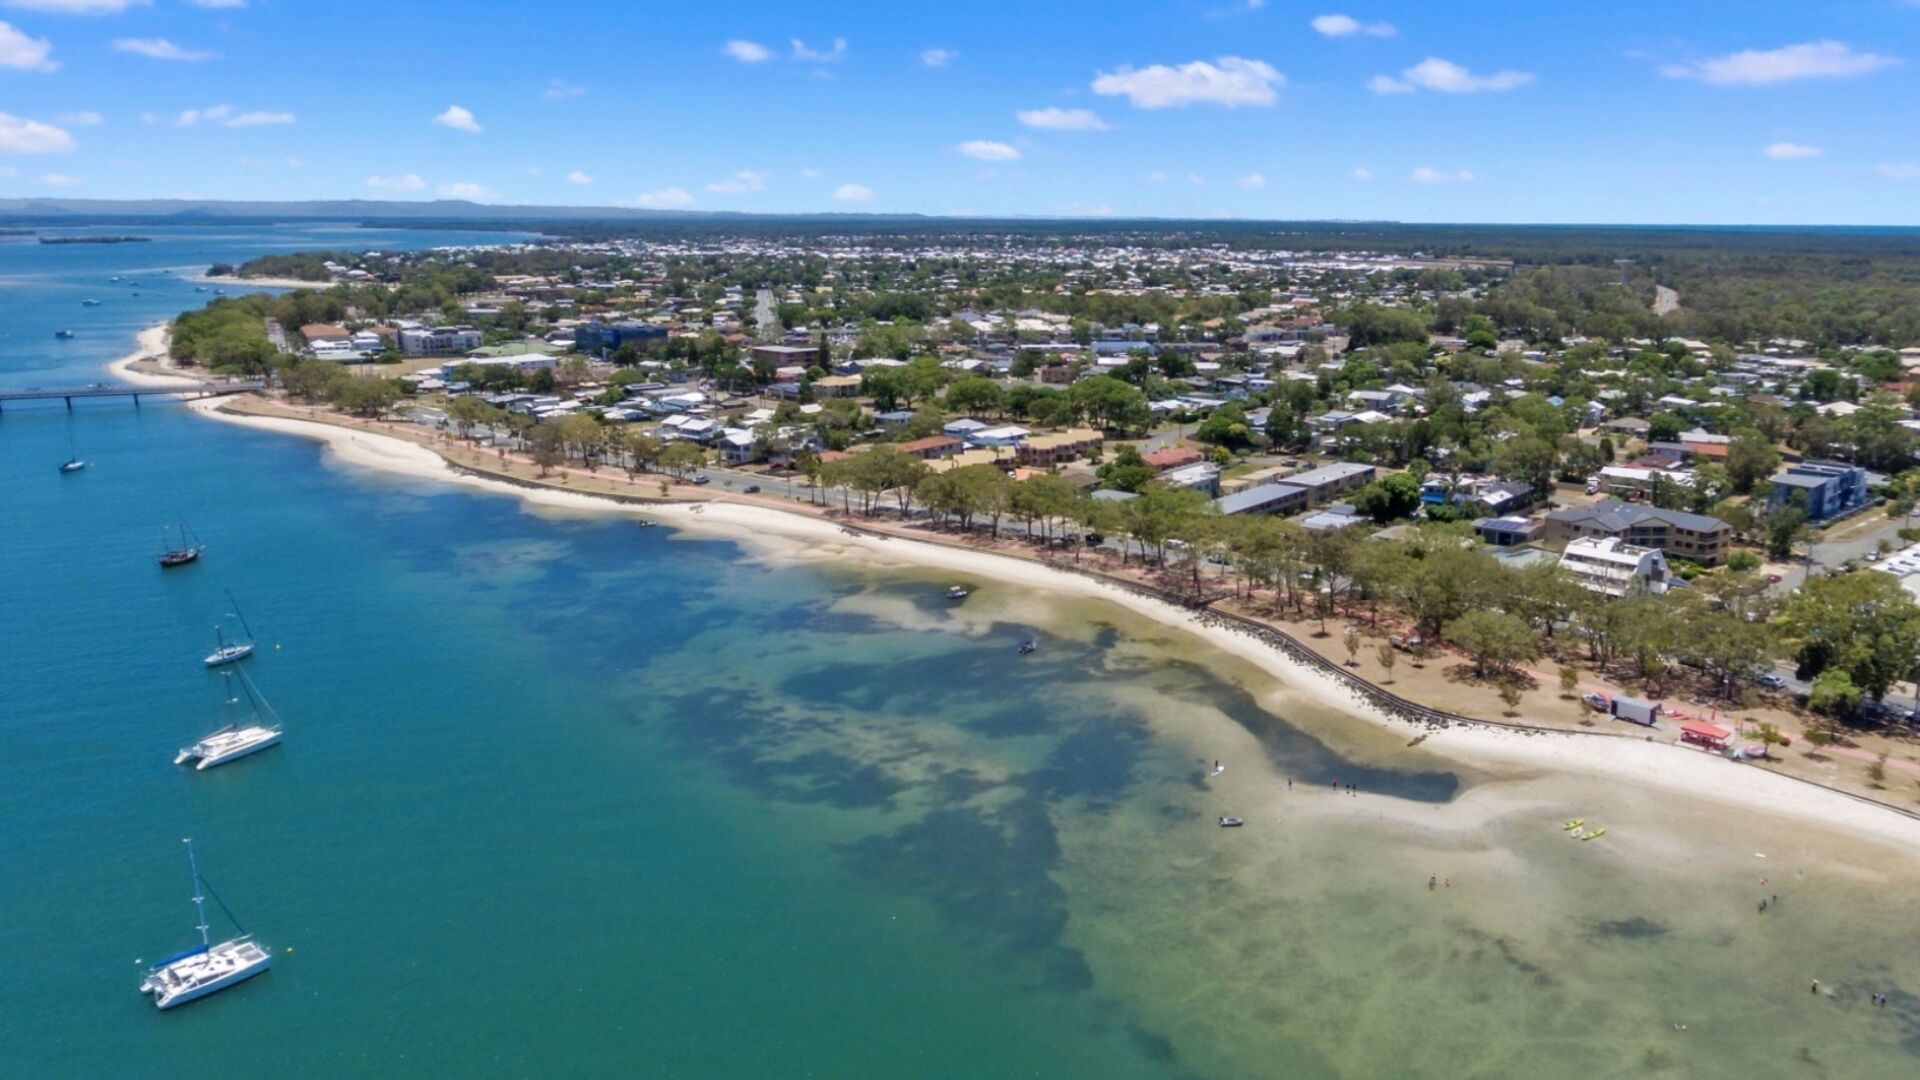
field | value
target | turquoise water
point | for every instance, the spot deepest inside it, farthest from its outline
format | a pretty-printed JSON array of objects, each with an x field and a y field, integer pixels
[{"x": 565, "y": 795}]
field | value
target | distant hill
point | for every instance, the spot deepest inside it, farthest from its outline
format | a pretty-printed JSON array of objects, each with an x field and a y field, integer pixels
[{"x": 351, "y": 209}]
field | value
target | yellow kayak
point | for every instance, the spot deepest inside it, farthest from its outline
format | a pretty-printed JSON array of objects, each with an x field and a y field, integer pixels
[
  {"x": 1595, "y": 834},
  {"x": 1574, "y": 824}
]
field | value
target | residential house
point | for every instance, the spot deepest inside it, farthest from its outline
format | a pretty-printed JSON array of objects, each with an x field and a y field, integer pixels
[
  {"x": 1613, "y": 567},
  {"x": 1696, "y": 537},
  {"x": 1331, "y": 481},
  {"x": 1059, "y": 448},
  {"x": 1264, "y": 499},
  {"x": 1829, "y": 489}
]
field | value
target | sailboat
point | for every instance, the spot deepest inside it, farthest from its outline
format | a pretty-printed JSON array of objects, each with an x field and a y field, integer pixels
[
  {"x": 73, "y": 463},
  {"x": 236, "y": 740},
  {"x": 208, "y": 968},
  {"x": 187, "y": 551},
  {"x": 230, "y": 651},
  {"x": 89, "y": 303}
]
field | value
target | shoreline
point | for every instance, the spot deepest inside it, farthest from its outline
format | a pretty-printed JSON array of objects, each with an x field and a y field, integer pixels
[
  {"x": 260, "y": 282},
  {"x": 1511, "y": 754},
  {"x": 146, "y": 364}
]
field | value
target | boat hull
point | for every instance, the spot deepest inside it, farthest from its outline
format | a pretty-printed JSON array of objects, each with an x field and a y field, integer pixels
[
  {"x": 194, "y": 977},
  {"x": 228, "y": 746},
  {"x": 179, "y": 558},
  {"x": 228, "y": 655}
]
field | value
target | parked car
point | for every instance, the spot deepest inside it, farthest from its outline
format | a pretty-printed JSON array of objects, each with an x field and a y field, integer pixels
[
  {"x": 1773, "y": 579},
  {"x": 1772, "y": 681},
  {"x": 1595, "y": 701},
  {"x": 702, "y": 478},
  {"x": 752, "y": 489},
  {"x": 1095, "y": 539},
  {"x": 1407, "y": 642}
]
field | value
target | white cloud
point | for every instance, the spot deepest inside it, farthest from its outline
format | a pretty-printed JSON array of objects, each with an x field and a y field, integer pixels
[
  {"x": 218, "y": 3},
  {"x": 664, "y": 199},
  {"x": 1426, "y": 175},
  {"x": 853, "y": 193},
  {"x": 1788, "y": 151},
  {"x": 226, "y": 116},
  {"x": 1899, "y": 170},
  {"x": 1363, "y": 175},
  {"x": 578, "y": 177},
  {"x": 1348, "y": 26},
  {"x": 1252, "y": 180},
  {"x": 161, "y": 49},
  {"x": 23, "y": 53},
  {"x": 81, "y": 119},
  {"x": 559, "y": 89},
  {"x": 1053, "y": 118},
  {"x": 459, "y": 119},
  {"x": 61, "y": 180},
  {"x": 464, "y": 190},
  {"x": 1229, "y": 81},
  {"x": 8, "y": 172},
  {"x": 397, "y": 182},
  {"x": 1196, "y": 179},
  {"x": 739, "y": 183},
  {"x": 1757, "y": 67},
  {"x": 988, "y": 150},
  {"x": 821, "y": 56},
  {"x": 938, "y": 57},
  {"x": 22, "y": 136},
  {"x": 811, "y": 174},
  {"x": 75, "y": 7},
  {"x": 747, "y": 52},
  {"x": 1156, "y": 178},
  {"x": 1446, "y": 77}
]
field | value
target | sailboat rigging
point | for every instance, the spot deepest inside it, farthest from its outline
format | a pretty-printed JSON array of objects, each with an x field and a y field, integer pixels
[
  {"x": 226, "y": 651},
  {"x": 199, "y": 971}
]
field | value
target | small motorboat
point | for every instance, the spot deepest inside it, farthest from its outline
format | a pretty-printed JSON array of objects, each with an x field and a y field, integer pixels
[
  {"x": 1217, "y": 769},
  {"x": 1028, "y": 646},
  {"x": 72, "y": 465},
  {"x": 1231, "y": 822},
  {"x": 199, "y": 288},
  {"x": 89, "y": 303},
  {"x": 957, "y": 592},
  {"x": 63, "y": 335}
]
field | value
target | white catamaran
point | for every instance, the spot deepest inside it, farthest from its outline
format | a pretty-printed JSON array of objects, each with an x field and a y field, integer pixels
[
  {"x": 229, "y": 651},
  {"x": 237, "y": 739},
  {"x": 207, "y": 968}
]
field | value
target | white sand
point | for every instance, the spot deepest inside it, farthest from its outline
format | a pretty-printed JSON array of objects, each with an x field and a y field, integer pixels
[
  {"x": 153, "y": 343},
  {"x": 1649, "y": 765},
  {"x": 241, "y": 285}
]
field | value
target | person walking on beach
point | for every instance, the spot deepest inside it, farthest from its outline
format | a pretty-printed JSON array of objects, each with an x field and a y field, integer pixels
[
  {"x": 1815, "y": 988},
  {"x": 1432, "y": 879}
]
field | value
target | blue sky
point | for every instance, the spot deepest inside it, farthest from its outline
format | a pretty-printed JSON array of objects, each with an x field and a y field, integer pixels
[{"x": 1629, "y": 111}]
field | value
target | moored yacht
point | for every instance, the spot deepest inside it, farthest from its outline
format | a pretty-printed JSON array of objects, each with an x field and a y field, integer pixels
[
  {"x": 200, "y": 971},
  {"x": 238, "y": 739},
  {"x": 957, "y": 592},
  {"x": 188, "y": 551},
  {"x": 229, "y": 651}
]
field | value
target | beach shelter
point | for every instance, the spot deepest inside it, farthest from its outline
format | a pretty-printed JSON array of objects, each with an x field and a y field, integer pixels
[{"x": 1704, "y": 735}]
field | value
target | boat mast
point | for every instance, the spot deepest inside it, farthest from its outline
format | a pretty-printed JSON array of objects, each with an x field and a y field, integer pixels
[
  {"x": 238, "y": 614},
  {"x": 199, "y": 902}
]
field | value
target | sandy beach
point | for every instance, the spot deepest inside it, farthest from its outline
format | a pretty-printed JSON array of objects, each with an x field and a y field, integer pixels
[
  {"x": 240, "y": 284},
  {"x": 1513, "y": 755},
  {"x": 147, "y": 364}
]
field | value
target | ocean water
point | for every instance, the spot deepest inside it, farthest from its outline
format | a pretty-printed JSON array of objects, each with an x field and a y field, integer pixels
[{"x": 560, "y": 794}]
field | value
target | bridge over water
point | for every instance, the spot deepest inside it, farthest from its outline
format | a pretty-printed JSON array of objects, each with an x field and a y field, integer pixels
[{"x": 105, "y": 390}]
